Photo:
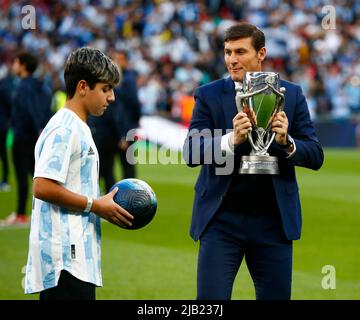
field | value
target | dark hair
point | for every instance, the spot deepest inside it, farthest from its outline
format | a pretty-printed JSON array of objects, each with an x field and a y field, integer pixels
[
  {"x": 246, "y": 30},
  {"x": 29, "y": 60},
  {"x": 90, "y": 65}
]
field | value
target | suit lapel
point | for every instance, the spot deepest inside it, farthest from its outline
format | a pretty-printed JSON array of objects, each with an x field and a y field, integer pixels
[
  {"x": 289, "y": 102},
  {"x": 287, "y": 96},
  {"x": 228, "y": 102}
]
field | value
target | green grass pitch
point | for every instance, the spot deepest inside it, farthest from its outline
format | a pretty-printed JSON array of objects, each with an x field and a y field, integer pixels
[{"x": 159, "y": 261}]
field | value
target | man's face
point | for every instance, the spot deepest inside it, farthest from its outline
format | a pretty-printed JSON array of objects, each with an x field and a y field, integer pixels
[
  {"x": 99, "y": 98},
  {"x": 120, "y": 59},
  {"x": 17, "y": 67},
  {"x": 241, "y": 56}
]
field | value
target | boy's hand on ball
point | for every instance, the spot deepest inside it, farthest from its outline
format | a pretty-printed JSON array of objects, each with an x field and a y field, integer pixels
[{"x": 106, "y": 208}]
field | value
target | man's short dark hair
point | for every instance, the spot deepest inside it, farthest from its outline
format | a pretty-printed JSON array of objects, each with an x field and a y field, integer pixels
[
  {"x": 29, "y": 60},
  {"x": 246, "y": 30},
  {"x": 91, "y": 65}
]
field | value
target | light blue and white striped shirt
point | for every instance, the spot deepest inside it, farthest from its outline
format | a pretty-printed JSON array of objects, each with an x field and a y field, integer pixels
[{"x": 61, "y": 239}]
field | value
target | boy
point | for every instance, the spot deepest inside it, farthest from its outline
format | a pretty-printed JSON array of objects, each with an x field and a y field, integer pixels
[{"x": 64, "y": 250}]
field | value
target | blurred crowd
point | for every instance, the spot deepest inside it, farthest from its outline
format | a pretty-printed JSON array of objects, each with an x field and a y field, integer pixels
[{"x": 174, "y": 46}]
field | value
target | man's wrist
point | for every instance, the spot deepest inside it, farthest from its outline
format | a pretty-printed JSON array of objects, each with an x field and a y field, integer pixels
[
  {"x": 291, "y": 149},
  {"x": 289, "y": 143},
  {"x": 230, "y": 141},
  {"x": 226, "y": 146}
]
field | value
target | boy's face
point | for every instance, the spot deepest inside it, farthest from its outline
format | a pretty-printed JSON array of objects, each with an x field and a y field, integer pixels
[{"x": 97, "y": 99}]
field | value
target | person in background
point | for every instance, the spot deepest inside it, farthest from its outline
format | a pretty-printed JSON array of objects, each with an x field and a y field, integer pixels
[
  {"x": 130, "y": 109},
  {"x": 6, "y": 88},
  {"x": 107, "y": 134},
  {"x": 110, "y": 131},
  {"x": 30, "y": 112}
]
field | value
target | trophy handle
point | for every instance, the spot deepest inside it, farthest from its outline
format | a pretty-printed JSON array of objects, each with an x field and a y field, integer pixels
[
  {"x": 281, "y": 95},
  {"x": 239, "y": 99},
  {"x": 253, "y": 145},
  {"x": 261, "y": 151}
]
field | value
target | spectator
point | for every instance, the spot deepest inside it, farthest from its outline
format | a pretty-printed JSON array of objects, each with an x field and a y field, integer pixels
[
  {"x": 130, "y": 110},
  {"x": 6, "y": 87},
  {"x": 106, "y": 131},
  {"x": 189, "y": 32},
  {"x": 30, "y": 113}
]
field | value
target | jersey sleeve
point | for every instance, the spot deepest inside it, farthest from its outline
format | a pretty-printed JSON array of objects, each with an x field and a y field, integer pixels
[{"x": 54, "y": 151}]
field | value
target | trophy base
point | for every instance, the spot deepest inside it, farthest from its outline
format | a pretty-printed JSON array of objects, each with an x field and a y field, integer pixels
[{"x": 259, "y": 165}]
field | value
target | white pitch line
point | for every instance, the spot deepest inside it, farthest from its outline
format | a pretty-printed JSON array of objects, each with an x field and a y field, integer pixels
[{"x": 14, "y": 227}]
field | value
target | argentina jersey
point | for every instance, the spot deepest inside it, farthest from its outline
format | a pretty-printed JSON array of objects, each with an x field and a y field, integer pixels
[{"x": 61, "y": 239}]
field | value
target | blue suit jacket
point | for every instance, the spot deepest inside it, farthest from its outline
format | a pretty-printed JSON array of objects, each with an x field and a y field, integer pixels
[
  {"x": 214, "y": 109},
  {"x": 31, "y": 108}
]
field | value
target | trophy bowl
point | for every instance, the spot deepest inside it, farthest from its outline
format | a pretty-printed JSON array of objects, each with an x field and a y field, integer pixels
[{"x": 260, "y": 98}]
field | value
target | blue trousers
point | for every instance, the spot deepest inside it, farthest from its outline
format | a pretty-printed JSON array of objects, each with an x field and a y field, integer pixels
[{"x": 229, "y": 238}]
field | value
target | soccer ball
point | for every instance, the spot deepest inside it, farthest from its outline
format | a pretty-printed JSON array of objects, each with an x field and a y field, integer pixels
[{"x": 138, "y": 198}]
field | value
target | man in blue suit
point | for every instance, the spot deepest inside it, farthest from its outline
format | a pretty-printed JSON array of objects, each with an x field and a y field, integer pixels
[{"x": 240, "y": 215}]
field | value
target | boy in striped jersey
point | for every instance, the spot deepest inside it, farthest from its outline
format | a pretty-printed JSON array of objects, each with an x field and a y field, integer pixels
[{"x": 64, "y": 247}]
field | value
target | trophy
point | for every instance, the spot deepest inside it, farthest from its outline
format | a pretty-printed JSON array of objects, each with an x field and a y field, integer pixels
[{"x": 260, "y": 98}]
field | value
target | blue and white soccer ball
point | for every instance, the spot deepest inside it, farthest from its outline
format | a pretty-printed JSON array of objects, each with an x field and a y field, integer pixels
[{"x": 138, "y": 198}]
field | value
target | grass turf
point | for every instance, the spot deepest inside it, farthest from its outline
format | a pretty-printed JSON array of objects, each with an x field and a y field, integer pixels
[{"x": 159, "y": 261}]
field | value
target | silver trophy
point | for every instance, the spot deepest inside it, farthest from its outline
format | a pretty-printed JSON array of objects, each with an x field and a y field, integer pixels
[{"x": 260, "y": 98}]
